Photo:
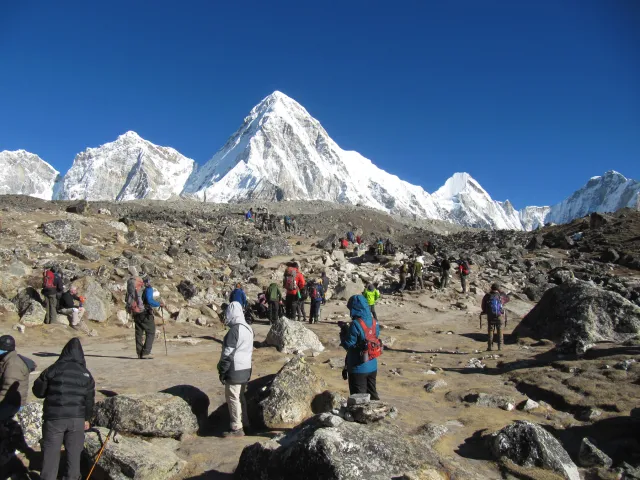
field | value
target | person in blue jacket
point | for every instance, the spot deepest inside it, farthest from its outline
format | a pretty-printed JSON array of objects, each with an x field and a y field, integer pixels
[
  {"x": 145, "y": 323},
  {"x": 361, "y": 375},
  {"x": 238, "y": 295}
]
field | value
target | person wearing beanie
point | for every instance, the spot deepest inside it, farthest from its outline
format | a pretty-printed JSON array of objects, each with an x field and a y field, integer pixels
[{"x": 14, "y": 378}]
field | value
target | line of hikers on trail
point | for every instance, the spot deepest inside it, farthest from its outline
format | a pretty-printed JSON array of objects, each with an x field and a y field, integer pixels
[
  {"x": 411, "y": 273},
  {"x": 270, "y": 222}
]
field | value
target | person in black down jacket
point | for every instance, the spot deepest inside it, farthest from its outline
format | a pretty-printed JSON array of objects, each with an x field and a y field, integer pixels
[{"x": 68, "y": 390}]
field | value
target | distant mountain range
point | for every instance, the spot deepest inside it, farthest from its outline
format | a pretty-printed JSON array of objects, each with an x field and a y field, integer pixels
[{"x": 280, "y": 152}]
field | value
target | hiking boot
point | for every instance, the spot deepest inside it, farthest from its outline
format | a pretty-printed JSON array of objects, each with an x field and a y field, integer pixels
[
  {"x": 147, "y": 356},
  {"x": 233, "y": 433}
]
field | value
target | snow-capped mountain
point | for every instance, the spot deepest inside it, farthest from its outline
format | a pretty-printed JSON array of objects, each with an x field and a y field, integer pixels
[
  {"x": 26, "y": 173},
  {"x": 128, "y": 169}
]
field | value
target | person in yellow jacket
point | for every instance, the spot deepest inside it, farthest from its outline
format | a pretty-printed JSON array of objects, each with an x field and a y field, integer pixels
[{"x": 372, "y": 295}]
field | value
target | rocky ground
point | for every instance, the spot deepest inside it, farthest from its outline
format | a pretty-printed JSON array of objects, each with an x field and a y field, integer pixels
[{"x": 559, "y": 401}]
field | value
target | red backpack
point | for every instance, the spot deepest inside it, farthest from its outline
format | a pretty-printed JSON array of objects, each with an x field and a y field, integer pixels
[
  {"x": 372, "y": 344},
  {"x": 48, "y": 279},
  {"x": 290, "y": 282}
]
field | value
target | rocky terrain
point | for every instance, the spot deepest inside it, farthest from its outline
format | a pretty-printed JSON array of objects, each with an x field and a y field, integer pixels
[{"x": 560, "y": 400}]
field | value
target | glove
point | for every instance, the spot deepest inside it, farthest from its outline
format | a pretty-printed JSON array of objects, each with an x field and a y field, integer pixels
[
  {"x": 222, "y": 381},
  {"x": 345, "y": 374}
]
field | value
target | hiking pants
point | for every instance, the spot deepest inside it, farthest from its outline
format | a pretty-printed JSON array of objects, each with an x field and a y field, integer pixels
[
  {"x": 50, "y": 306},
  {"x": 145, "y": 332},
  {"x": 274, "y": 306},
  {"x": 72, "y": 314},
  {"x": 291, "y": 305},
  {"x": 300, "y": 313},
  {"x": 418, "y": 281},
  {"x": 234, "y": 394},
  {"x": 69, "y": 431},
  {"x": 373, "y": 311},
  {"x": 463, "y": 282},
  {"x": 363, "y": 383},
  {"x": 497, "y": 326},
  {"x": 314, "y": 312},
  {"x": 444, "y": 279},
  {"x": 403, "y": 283}
]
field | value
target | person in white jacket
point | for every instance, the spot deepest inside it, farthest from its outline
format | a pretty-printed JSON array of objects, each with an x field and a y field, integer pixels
[{"x": 234, "y": 367}]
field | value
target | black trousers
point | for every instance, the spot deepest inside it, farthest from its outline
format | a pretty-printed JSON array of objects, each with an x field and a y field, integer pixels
[
  {"x": 363, "y": 383},
  {"x": 314, "y": 312},
  {"x": 300, "y": 313},
  {"x": 69, "y": 431},
  {"x": 274, "y": 307},
  {"x": 145, "y": 332},
  {"x": 373, "y": 311},
  {"x": 291, "y": 305}
]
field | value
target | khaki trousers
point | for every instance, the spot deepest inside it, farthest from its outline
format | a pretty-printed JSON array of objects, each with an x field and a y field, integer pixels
[{"x": 237, "y": 403}]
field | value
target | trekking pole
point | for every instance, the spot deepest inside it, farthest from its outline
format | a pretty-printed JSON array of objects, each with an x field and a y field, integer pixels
[
  {"x": 166, "y": 350},
  {"x": 111, "y": 430}
]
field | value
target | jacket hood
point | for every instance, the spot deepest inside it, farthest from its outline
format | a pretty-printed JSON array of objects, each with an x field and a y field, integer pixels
[
  {"x": 72, "y": 352},
  {"x": 359, "y": 308},
  {"x": 234, "y": 314}
]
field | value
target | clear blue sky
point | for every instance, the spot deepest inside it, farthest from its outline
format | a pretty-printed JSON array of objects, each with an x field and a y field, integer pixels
[{"x": 530, "y": 97}]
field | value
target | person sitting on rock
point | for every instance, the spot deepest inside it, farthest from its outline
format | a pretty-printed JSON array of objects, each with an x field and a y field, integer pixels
[
  {"x": 362, "y": 370},
  {"x": 493, "y": 308},
  {"x": 234, "y": 367},
  {"x": 238, "y": 295},
  {"x": 67, "y": 306},
  {"x": 372, "y": 294}
]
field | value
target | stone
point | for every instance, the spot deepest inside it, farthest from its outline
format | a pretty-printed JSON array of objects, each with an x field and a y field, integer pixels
[
  {"x": 597, "y": 220},
  {"x": 528, "y": 405},
  {"x": 328, "y": 242},
  {"x": 433, "y": 432},
  {"x": 187, "y": 289},
  {"x": 155, "y": 414},
  {"x": 274, "y": 246},
  {"x": 371, "y": 412},
  {"x": 188, "y": 314},
  {"x": 327, "y": 401},
  {"x": 34, "y": 314},
  {"x": 83, "y": 252},
  {"x": 338, "y": 256},
  {"x": 591, "y": 456},
  {"x": 19, "y": 328},
  {"x": 359, "y": 399},
  {"x": 536, "y": 243},
  {"x": 336, "y": 362},
  {"x": 30, "y": 420},
  {"x": 589, "y": 414},
  {"x": 63, "y": 231},
  {"x": 80, "y": 207},
  {"x": 131, "y": 458},
  {"x": 529, "y": 445},
  {"x": 348, "y": 451},
  {"x": 330, "y": 420},
  {"x": 291, "y": 337},
  {"x": 435, "y": 385},
  {"x": 287, "y": 399},
  {"x": 610, "y": 255},
  {"x": 122, "y": 317},
  {"x": 491, "y": 401},
  {"x": 348, "y": 288},
  {"x": 98, "y": 301},
  {"x": 576, "y": 315}
]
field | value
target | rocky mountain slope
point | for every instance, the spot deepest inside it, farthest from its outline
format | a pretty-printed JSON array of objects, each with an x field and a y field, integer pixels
[
  {"x": 25, "y": 173},
  {"x": 129, "y": 168}
]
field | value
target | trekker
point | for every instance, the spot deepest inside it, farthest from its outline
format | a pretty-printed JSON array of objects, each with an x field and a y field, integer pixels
[
  {"x": 67, "y": 307},
  {"x": 249, "y": 215},
  {"x": 344, "y": 243},
  {"x": 493, "y": 308},
  {"x": 372, "y": 295},
  {"x": 404, "y": 270},
  {"x": 262, "y": 305},
  {"x": 274, "y": 297},
  {"x": 380, "y": 248},
  {"x": 316, "y": 294},
  {"x": 68, "y": 390},
  {"x": 325, "y": 283},
  {"x": 14, "y": 378},
  {"x": 445, "y": 269},
  {"x": 292, "y": 282},
  {"x": 234, "y": 367},
  {"x": 463, "y": 271},
  {"x": 351, "y": 237},
  {"x": 145, "y": 323},
  {"x": 417, "y": 273},
  {"x": 303, "y": 294},
  {"x": 363, "y": 346},
  {"x": 358, "y": 239},
  {"x": 238, "y": 295},
  {"x": 287, "y": 223},
  {"x": 52, "y": 286}
]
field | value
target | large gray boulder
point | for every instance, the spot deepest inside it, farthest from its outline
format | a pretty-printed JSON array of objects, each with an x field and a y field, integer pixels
[
  {"x": 347, "y": 288},
  {"x": 155, "y": 415},
  {"x": 292, "y": 337},
  {"x": 98, "y": 303},
  {"x": 131, "y": 458},
  {"x": 83, "y": 252},
  {"x": 592, "y": 456},
  {"x": 529, "y": 445},
  {"x": 63, "y": 231},
  {"x": 34, "y": 314},
  {"x": 287, "y": 400},
  {"x": 274, "y": 246},
  {"x": 327, "y": 448},
  {"x": 576, "y": 315},
  {"x": 30, "y": 420}
]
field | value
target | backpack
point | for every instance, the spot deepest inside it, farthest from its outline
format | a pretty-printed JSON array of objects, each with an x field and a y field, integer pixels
[
  {"x": 315, "y": 292},
  {"x": 272, "y": 292},
  {"x": 372, "y": 344},
  {"x": 464, "y": 268},
  {"x": 494, "y": 305},
  {"x": 133, "y": 300},
  {"x": 290, "y": 282},
  {"x": 48, "y": 279}
]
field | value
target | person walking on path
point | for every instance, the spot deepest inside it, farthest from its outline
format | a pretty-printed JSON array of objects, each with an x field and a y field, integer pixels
[
  {"x": 418, "y": 265},
  {"x": 234, "y": 367},
  {"x": 445, "y": 273},
  {"x": 316, "y": 294},
  {"x": 372, "y": 295},
  {"x": 493, "y": 307},
  {"x": 68, "y": 390},
  {"x": 274, "y": 296},
  {"x": 361, "y": 369},
  {"x": 463, "y": 271},
  {"x": 145, "y": 323},
  {"x": 292, "y": 282},
  {"x": 52, "y": 286}
]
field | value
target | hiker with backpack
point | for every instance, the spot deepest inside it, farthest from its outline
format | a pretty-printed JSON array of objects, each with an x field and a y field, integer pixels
[
  {"x": 361, "y": 341},
  {"x": 249, "y": 215},
  {"x": 445, "y": 273},
  {"x": 380, "y": 247},
  {"x": 274, "y": 298},
  {"x": 145, "y": 322},
  {"x": 493, "y": 307},
  {"x": 351, "y": 237},
  {"x": 67, "y": 306},
  {"x": 417, "y": 273},
  {"x": 287, "y": 223},
  {"x": 52, "y": 287},
  {"x": 316, "y": 294},
  {"x": 372, "y": 295},
  {"x": 463, "y": 270},
  {"x": 238, "y": 295},
  {"x": 262, "y": 305},
  {"x": 14, "y": 378},
  {"x": 292, "y": 282},
  {"x": 234, "y": 367}
]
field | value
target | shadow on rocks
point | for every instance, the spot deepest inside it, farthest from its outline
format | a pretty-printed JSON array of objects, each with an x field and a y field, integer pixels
[
  {"x": 475, "y": 447},
  {"x": 197, "y": 400},
  {"x": 211, "y": 475}
]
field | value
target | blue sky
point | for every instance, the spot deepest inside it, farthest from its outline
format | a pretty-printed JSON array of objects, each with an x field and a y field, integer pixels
[{"x": 530, "y": 97}]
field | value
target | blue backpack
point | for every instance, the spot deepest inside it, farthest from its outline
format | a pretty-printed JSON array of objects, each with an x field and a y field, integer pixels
[{"x": 495, "y": 305}]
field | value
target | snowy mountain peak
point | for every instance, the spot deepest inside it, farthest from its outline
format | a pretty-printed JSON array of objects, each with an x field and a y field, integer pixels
[
  {"x": 130, "y": 136},
  {"x": 25, "y": 173},
  {"x": 458, "y": 183}
]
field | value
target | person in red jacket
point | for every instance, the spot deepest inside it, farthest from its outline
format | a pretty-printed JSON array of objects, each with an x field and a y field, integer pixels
[{"x": 293, "y": 282}]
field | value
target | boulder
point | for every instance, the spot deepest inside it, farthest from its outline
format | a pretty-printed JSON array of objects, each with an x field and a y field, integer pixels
[
  {"x": 83, "y": 252},
  {"x": 187, "y": 289},
  {"x": 34, "y": 314},
  {"x": 327, "y": 401},
  {"x": 63, "y": 231},
  {"x": 348, "y": 288},
  {"x": 80, "y": 207},
  {"x": 536, "y": 243},
  {"x": 529, "y": 445},
  {"x": 610, "y": 255},
  {"x": 325, "y": 447},
  {"x": 131, "y": 458},
  {"x": 597, "y": 220},
  {"x": 155, "y": 414},
  {"x": 491, "y": 401},
  {"x": 592, "y": 456},
  {"x": 274, "y": 246},
  {"x": 370, "y": 412},
  {"x": 292, "y": 337},
  {"x": 98, "y": 301},
  {"x": 328, "y": 242},
  {"x": 287, "y": 399},
  {"x": 435, "y": 385},
  {"x": 30, "y": 420},
  {"x": 577, "y": 314}
]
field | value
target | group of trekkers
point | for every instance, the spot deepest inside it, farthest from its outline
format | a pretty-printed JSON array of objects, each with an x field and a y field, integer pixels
[
  {"x": 61, "y": 300},
  {"x": 411, "y": 272},
  {"x": 269, "y": 222}
]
